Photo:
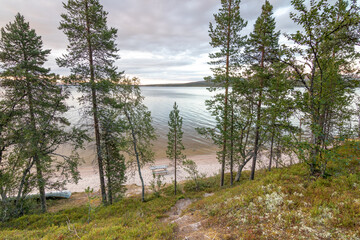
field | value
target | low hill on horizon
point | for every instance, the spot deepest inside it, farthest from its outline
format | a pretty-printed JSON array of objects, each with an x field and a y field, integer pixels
[{"x": 190, "y": 84}]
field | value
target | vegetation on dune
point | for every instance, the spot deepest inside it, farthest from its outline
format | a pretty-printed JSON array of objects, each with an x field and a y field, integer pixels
[
  {"x": 285, "y": 203},
  {"x": 254, "y": 104}
]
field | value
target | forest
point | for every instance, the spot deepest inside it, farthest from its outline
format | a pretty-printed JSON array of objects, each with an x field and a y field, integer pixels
[{"x": 259, "y": 88}]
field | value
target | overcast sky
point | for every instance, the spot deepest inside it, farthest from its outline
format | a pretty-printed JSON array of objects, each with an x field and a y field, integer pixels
[{"x": 160, "y": 41}]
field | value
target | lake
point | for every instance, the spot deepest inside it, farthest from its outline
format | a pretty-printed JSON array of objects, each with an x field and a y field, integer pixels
[{"x": 160, "y": 101}]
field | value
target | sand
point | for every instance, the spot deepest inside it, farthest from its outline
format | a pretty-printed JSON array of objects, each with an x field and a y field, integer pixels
[{"x": 207, "y": 164}]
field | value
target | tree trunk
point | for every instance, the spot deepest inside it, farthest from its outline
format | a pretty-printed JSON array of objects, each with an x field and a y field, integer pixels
[
  {"x": 238, "y": 175},
  {"x": 241, "y": 167},
  {"x": 258, "y": 120},
  {"x": 226, "y": 99},
  {"x": 95, "y": 108},
  {"x": 176, "y": 124},
  {"x": 108, "y": 170},
  {"x": 22, "y": 183},
  {"x": 35, "y": 150},
  {"x": 40, "y": 182},
  {"x": 271, "y": 150},
  {"x": 232, "y": 145},
  {"x": 137, "y": 156},
  {"x": 257, "y": 137}
]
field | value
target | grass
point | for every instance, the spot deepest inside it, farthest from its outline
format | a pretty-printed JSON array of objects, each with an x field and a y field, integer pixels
[{"x": 282, "y": 204}]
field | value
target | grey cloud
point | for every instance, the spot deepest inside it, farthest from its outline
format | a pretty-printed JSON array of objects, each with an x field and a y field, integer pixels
[{"x": 174, "y": 30}]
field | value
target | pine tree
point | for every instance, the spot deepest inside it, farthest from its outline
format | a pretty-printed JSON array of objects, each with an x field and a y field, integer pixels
[
  {"x": 175, "y": 145},
  {"x": 226, "y": 37},
  {"x": 326, "y": 43},
  {"x": 260, "y": 53},
  {"x": 91, "y": 55},
  {"x": 39, "y": 111},
  {"x": 9, "y": 172},
  {"x": 279, "y": 108},
  {"x": 112, "y": 128}
]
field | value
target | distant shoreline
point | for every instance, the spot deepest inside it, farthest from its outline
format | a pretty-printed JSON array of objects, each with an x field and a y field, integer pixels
[{"x": 190, "y": 84}]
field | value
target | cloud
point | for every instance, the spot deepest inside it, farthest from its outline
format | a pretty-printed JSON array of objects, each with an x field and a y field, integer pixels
[{"x": 159, "y": 40}]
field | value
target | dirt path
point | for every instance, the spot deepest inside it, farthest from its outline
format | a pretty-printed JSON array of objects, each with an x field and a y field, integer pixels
[{"x": 189, "y": 226}]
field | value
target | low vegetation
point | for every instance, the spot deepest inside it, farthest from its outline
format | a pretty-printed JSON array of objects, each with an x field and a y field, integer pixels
[{"x": 286, "y": 203}]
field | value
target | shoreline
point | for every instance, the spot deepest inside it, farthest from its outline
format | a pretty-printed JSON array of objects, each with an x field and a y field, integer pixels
[{"x": 206, "y": 163}]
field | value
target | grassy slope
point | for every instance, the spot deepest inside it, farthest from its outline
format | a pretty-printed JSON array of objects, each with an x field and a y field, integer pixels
[{"x": 281, "y": 204}]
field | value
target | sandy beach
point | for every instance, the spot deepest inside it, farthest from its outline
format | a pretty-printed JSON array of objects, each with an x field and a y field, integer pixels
[{"x": 207, "y": 164}]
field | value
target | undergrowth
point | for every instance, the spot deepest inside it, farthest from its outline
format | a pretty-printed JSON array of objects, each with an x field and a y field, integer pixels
[{"x": 281, "y": 204}]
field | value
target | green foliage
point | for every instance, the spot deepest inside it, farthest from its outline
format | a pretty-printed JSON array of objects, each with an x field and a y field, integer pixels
[
  {"x": 227, "y": 40},
  {"x": 91, "y": 56},
  {"x": 137, "y": 124},
  {"x": 282, "y": 204},
  {"x": 113, "y": 142},
  {"x": 225, "y": 36},
  {"x": 35, "y": 108},
  {"x": 128, "y": 218},
  {"x": 89, "y": 191},
  {"x": 156, "y": 184},
  {"x": 194, "y": 175},
  {"x": 85, "y": 25},
  {"x": 175, "y": 146},
  {"x": 175, "y": 134},
  {"x": 266, "y": 78},
  {"x": 326, "y": 44}
]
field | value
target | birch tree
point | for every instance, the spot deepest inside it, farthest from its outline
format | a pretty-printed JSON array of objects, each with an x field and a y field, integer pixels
[{"x": 139, "y": 131}]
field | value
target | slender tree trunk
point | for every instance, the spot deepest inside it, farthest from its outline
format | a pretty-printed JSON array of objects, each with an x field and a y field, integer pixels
[
  {"x": 95, "y": 108},
  {"x": 110, "y": 197},
  {"x": 108, "y": 170},
  {"x": 257, "y": 137},
  {"x": 137, "y": 156},
  {"x": 35, "y": 149},
  {"x": 238, "y": 174},
  {"x": 232, "y": 145},
  {"x": 359, "y": 122},
  {"x": 278, "y": 153},
  {"x": 23, "y": 182},
  {"x": 226, "y": 99},
  {"x": 175, "y": 151},
  {"x": 271, "y": 150},
  {"x": 241, "y": 167},
  {"x": 258, "y": 120}
]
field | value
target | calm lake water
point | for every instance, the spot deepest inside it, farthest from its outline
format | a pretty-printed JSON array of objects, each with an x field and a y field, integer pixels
[{"x": 160, "y": 101}]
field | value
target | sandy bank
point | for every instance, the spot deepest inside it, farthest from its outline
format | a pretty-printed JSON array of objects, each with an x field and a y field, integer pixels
[{"x": 206, "y": 163}]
